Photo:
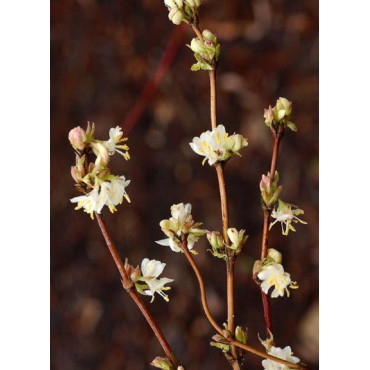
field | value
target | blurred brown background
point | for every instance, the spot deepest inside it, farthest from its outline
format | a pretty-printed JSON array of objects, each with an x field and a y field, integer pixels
[{"x": 102, "y": 54}]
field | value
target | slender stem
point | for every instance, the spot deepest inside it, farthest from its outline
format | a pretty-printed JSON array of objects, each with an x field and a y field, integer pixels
[
  {"x": 197, "y": 31},
  {"x": 230, "y": 262},
  {"x": 275, "y": 152},
  {"x": 188, "y": 255},
  {"x": 128, "y": 285},
  {"x": 223, "y": 198},
  {"x": 265, "y": 232},
  {"x": 213, "y": 97},
  {"x": 203, "y": 296}
]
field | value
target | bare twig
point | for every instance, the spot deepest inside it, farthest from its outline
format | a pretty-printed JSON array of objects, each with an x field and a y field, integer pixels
[
  {"x": 213, "y": 97},
  {"x": 128, "y": 285}
]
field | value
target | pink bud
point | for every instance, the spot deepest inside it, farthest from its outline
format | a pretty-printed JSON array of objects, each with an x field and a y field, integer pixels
[
  {"x": 77, "y": 138},
  {"x": 265, "y": 183}
]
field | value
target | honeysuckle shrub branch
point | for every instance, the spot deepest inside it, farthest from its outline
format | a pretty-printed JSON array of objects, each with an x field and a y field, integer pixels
[
  {"x": 100, "y": 187},
  {"x": 217, "y": 147}
]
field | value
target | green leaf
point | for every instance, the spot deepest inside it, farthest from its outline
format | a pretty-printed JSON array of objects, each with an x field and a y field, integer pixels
[
  {"x": 195, "y": 67},
  {"x": 223, "y": 347},
  {"x": 292, "y": 126}
]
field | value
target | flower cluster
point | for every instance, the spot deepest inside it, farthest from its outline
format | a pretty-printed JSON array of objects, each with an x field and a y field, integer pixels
[
  {"x": 181, "y": 223},
  {"x": 206, "y": 51},
  {"x": 237, "y": 241},
  {"x": 286, "y": 214},
  {"x": 217, "y": 145},
  {"x": 150, "y": 271},
  {"x": 182, "y": 10},
  {"x": 271, "y": 273},
  {"x": 99, "y": 187},
  {"x": 283, "y": 353},
  {"x": 279, "y": 115}
]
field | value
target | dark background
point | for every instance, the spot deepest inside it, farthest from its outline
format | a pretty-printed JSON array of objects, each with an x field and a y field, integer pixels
[{"x": 102, "y": 55}]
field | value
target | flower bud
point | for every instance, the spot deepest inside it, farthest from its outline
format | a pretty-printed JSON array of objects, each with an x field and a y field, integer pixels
[
  {"x": 208, "y": 35},
  {"x": 241, "y": 335},
  {"x": 197, "y": 46},
  {"x": 265, "y": 183},
  {"x": 215, "y": 239},
  {"x": 237, "y": 239},
  {"x": 173, "y": 3},
  {"x": 284, "y": 104},
  {"x": 274, "y": 255},
  {"x": 162, "y": 363},
  {"x": 270, "y": 192},
  {"x": 235, "y": 142},
  {"x": 77, "y": 137},
  {"x": 175, "y": 16},
  {"x": 233, "y": 235},
  {"x": 268, "y": 116}
]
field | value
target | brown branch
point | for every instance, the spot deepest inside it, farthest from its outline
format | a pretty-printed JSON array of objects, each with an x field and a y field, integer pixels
[
  {"x": 213, "y": 97},
  {"x": 203, "y": 296},
  {"x": 197, "y": 31},
  {"x": 265, "y": 232},
  {"x": 224, "y": 213},
  {"x": 223, "y": 199},
  {"x": 232, "y": 342},
  {"x": 128, "y": 285},
  {"x": 275, "y": 151}
]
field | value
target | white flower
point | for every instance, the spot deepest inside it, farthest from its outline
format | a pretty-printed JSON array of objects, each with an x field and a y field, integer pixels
[
  {"x": 273, "y": 275},
  {"x": 109, "y": 193},
  {"x": 113, "y": 191},
  {"x": 174, "y": 245},
  {"x": 286, "y": 215},
  {"x": 88, "y": 202},
  {"x": 217, "y": 145},
  {"x": 114, "y": 144},
  {"x": 150, "y": 270},
  {"x": 180, "y": 222},
  {"x": 283, "y": 353}
]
